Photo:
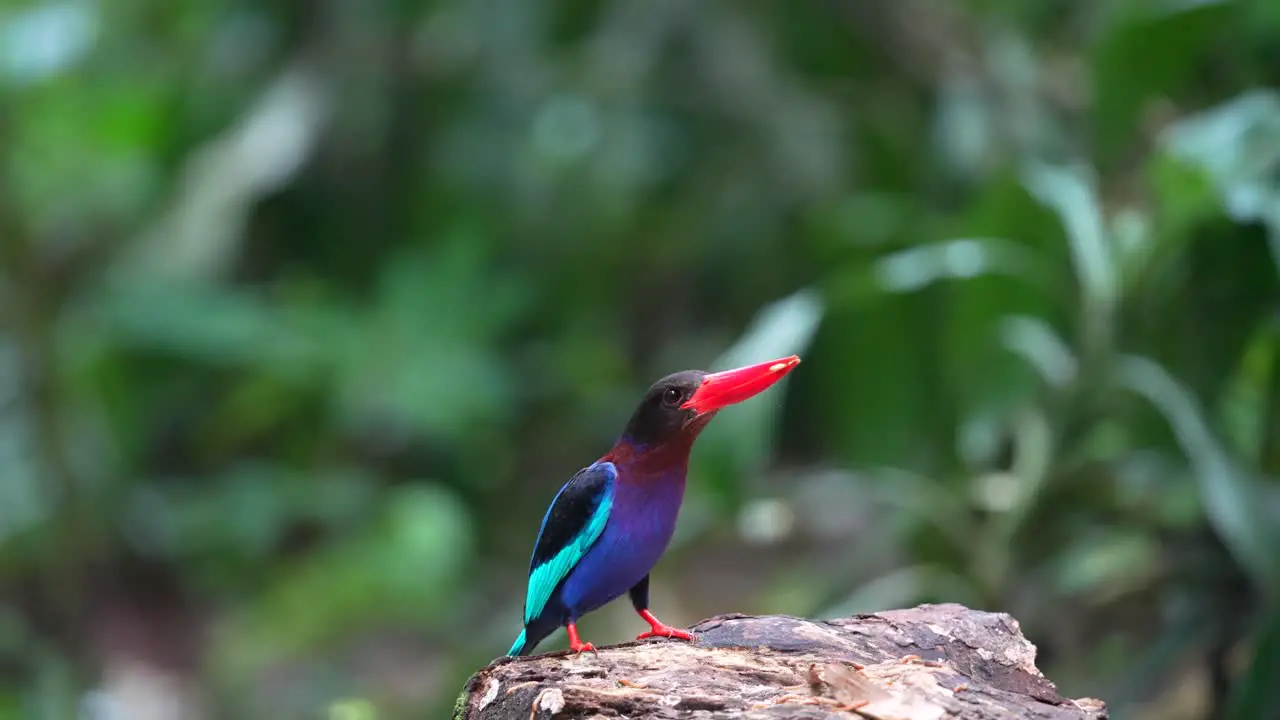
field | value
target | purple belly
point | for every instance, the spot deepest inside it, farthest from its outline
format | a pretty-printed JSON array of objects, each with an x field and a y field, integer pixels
[{"x": 639, "y": 529}]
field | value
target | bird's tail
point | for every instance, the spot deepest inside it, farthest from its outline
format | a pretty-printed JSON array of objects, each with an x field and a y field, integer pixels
[
  {"x": 529, "y": 638},
  {"x": 520, "y": 647}
]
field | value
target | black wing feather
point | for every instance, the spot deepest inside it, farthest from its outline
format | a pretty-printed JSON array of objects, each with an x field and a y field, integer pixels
[{"x": 570, "y": 511}]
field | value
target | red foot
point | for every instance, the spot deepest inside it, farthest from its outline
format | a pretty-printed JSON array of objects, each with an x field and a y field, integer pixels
[
  {"x": 575, "y": 643},
  {"x": 657, "y": 629}
]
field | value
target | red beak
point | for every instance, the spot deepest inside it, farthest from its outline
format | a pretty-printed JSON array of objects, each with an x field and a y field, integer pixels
[{"x": 733, "y": 386}]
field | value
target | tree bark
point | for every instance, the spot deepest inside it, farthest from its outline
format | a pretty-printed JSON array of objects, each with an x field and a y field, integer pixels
[{"x": 932, "y": 662}]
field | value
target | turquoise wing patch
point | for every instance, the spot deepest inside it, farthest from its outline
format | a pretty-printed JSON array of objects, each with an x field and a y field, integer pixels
[{"x": 574, "y": 521}]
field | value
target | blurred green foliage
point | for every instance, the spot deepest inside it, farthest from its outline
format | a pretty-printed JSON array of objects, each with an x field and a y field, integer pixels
[{"x": 306, "y": 310}]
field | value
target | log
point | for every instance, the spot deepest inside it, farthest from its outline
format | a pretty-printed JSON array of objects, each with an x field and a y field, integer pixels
[{"x": 931, "y": 662}]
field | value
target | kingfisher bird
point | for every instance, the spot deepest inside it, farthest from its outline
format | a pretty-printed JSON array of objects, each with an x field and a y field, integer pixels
[{"x": 609, "y": 524}]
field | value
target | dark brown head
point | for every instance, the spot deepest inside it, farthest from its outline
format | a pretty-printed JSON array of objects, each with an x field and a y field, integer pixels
[{"x": 679, "y": 405}]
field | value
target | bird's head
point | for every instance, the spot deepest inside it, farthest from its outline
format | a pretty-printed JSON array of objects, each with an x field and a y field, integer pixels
[{"x": 680, "y": 405}]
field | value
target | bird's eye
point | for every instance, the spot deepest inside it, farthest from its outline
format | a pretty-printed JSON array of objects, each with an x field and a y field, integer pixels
[{"x": 672, "y": 396}]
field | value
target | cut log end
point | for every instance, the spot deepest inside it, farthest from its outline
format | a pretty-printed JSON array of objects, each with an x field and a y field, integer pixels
[{"x": 932, "y": 662}]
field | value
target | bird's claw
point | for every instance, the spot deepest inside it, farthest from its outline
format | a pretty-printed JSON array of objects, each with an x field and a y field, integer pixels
[
  {"x": 665, "y": 631},
  {"x": 575, "y": 643}
]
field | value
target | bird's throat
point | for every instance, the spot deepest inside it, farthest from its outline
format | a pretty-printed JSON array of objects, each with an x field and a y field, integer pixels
[{"x": 666, "y": 459}]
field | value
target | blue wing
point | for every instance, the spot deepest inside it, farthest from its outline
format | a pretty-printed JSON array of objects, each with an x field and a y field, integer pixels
[{"x": 574, "y": 521}]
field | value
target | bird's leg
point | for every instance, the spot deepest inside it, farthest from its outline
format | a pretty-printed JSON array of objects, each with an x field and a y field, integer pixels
[
  {"x": 576, "y": 644},
  {"x": 658, "y": 629},
  {"x": 640, "y": 601}
]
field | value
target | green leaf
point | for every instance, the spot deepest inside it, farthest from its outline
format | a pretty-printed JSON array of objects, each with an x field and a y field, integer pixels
[
  {"x": 201, "y": 235},
  {"x": 1146, "y": 53},
  {"x": 918, "y": 267},
  {"x": 1231, "y": 495},
  {"x": 1245, "y": 403},
  {"x": 1035, "y": 341},
  {"x": 402, "y": 568},
  {"x": 205, "y": 323},
  {"x": 921, "y": 501},
  {"x": 234, "y": 521},
  {"x": 1257, "y": 694},
  {"x": 1237, "y": 145},
  {"x": 1099, "y": 569},
  {"x": 46, "y": 40},
  {"x": 1071, "y": 193},
  {"x": 423, "y": 359}
]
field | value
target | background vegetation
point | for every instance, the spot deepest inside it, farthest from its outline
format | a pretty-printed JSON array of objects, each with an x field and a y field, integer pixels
[{"x": 307, "y": 309}]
